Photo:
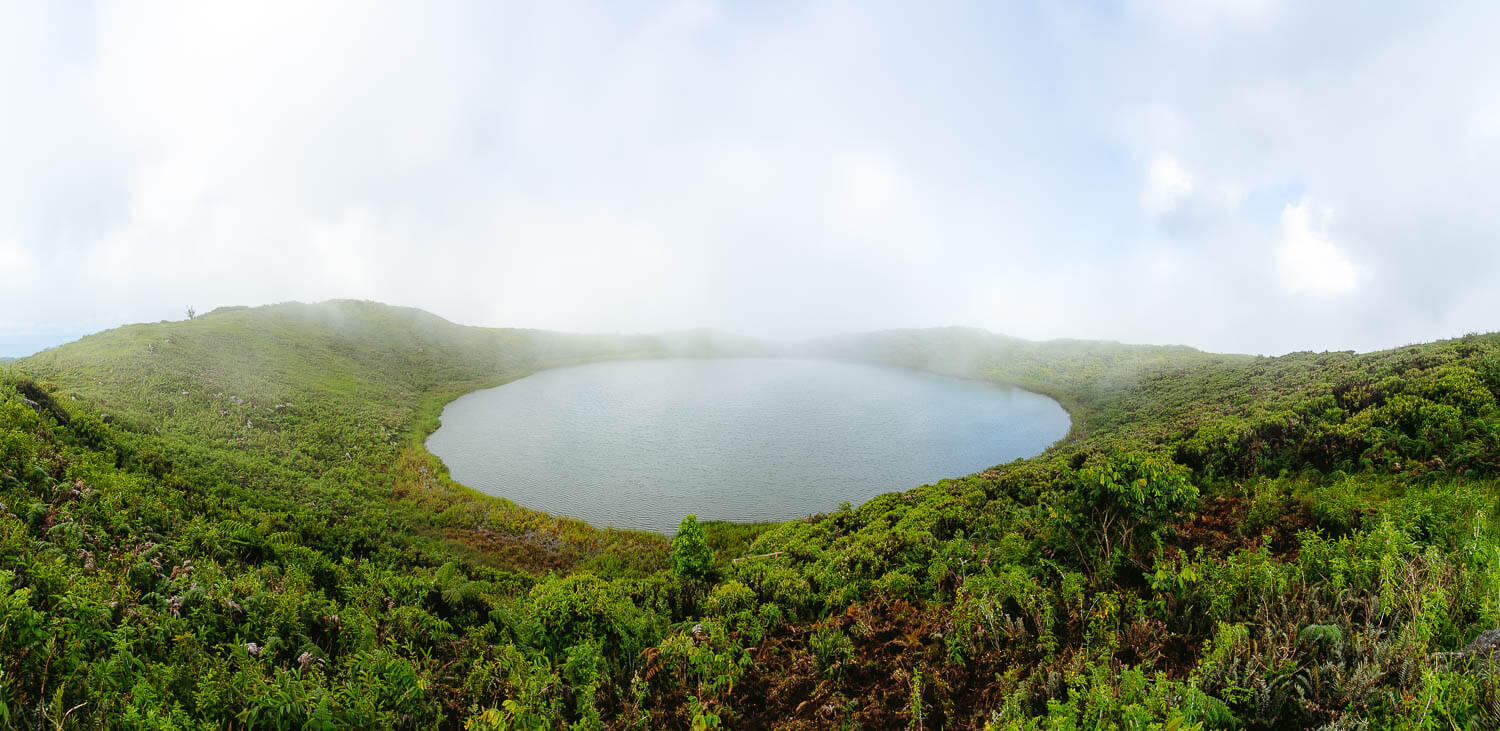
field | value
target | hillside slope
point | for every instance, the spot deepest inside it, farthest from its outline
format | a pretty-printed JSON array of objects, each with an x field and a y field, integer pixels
[
  {"x": 1230, "y": 542},
  {"x": 1088, "y": 376},
  {"x": 321, "y": 409}
]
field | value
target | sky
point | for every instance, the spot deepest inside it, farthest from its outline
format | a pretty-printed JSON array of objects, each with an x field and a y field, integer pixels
[{"x": 1255, "y": 176}]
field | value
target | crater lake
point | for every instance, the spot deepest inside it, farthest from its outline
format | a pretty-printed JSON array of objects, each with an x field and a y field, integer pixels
[{"x": 640, "y": 443}]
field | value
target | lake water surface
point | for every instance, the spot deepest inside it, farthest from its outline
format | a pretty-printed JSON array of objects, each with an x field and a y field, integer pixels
[{"x": 640, "y": 443}]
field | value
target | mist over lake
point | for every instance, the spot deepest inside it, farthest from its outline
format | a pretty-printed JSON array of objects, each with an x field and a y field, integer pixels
[{"x": 639, "y": 444}]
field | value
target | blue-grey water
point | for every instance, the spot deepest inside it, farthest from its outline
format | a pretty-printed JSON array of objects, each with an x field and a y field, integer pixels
[{"x": 639, "y": 444}]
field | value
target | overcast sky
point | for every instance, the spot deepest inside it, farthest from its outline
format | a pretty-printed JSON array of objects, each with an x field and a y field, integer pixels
[{"x": 1236, "y": 175}]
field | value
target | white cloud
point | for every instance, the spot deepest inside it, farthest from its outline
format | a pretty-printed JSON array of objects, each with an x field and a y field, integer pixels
[
  {"x": 1052, "y": 170},
  {"x": 873, "y": 210},
  {"x": 1200, "y": 16},
  {"x": 1167, "y": 183},
  {"x": 20, "y": 265},
  {"x": 1306, "y": 260}
]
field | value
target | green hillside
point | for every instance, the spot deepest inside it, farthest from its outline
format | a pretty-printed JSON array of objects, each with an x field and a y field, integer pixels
[
  {"x": 1089, "y": 377},
  {"x": 231, "y": 521},
  {"x": 319, "y": 409}
]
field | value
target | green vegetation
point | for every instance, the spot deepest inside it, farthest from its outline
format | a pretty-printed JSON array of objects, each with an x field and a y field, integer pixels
[
  {"x": 230, "y": 521},
  {"x": 1091, "y": 379}
]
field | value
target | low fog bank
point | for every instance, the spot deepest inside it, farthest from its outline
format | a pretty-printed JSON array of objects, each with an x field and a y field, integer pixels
[{"x": 952, "y": 350}]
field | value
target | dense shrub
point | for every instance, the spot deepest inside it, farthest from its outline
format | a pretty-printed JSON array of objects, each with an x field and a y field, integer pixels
[
  {"x": 1223, "y": 541},
  {"x": 691, "y": 555},
  {"x": 1117, "y": 504}
]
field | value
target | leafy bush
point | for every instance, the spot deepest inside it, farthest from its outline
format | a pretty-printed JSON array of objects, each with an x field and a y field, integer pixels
[
  {"x": 573, "y": 610},
  {"x": 831, "y": 647},
  {"x": 691, "y": 555},
  {"x": 1337, "y": 507},
  {"x": 1120, "y": 502}
]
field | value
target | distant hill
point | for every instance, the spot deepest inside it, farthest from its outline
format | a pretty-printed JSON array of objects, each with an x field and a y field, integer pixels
[{"x": 1087, "y": 376}]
